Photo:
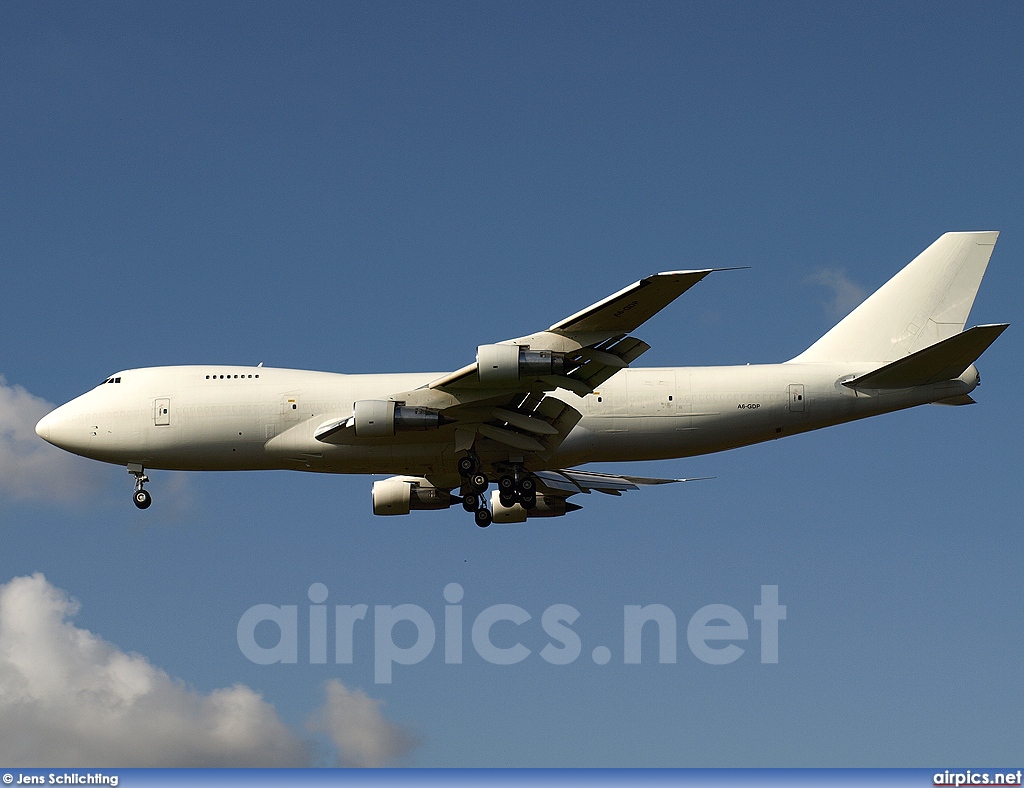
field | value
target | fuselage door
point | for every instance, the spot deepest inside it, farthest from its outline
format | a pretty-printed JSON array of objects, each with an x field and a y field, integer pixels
[
  {"x": 796, "y": 397},
  {"x": 162, "y": 412}
]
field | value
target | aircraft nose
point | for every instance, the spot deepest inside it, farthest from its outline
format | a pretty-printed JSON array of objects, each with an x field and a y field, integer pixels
[
  {"x": 52, "y": 427},
  {"x": 43, "y": 427},
  {"x": 64, "y": 427}
]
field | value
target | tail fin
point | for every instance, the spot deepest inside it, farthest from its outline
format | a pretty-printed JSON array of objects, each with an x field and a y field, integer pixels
[{"x": 926, "y": 302}]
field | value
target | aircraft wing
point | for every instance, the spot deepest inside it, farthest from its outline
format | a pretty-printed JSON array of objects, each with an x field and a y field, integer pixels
[
  {"x": 563, "y": 483},
  {"x": 503, "y": 395},
  {"x": 594, "y": 340},
  {"x": 632, "y": 306}
]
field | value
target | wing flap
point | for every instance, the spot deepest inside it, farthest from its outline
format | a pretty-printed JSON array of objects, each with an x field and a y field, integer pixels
[
  {"x": 524, "y": 421},
  {"x": 572, "y": 481},
  {"x": 510, "y": 438}
]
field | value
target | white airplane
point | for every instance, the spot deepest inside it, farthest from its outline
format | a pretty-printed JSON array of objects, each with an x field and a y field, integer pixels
[{"x": 531, "y": 408}]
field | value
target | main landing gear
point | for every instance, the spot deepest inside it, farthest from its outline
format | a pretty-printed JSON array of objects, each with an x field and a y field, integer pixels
[
  {"x": 483, "y": 516},
  {"x": 514, "y": 486},
  {"x": 141, "y": 497},
  {"x": 474, "y": 489},
  {"x": 517, "y": 487}
]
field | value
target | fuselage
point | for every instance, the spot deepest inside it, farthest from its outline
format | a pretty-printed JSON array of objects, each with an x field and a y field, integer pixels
[{"x": 246, "y": 418}]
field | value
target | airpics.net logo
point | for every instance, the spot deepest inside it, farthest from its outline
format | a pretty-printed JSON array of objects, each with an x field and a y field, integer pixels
[{"x": 714, "y": 633}]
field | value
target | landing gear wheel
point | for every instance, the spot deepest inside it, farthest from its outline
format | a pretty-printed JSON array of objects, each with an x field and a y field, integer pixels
[
  {"x": 483, "y": 517},
  {"x": 466, "y": 466},
  {"x": 506, "y": 484},
  {"x": 528, "y": 500},
  {"x": 142, "y": 498},
  {"x": 507, "y": 499},
  {"x": 527, "y": 486},
  {"x": 478, "y": 481},
  {"x": 470, "y": 502}
]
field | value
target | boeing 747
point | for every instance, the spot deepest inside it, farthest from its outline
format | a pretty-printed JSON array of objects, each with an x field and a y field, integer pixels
[{"x": 528, "y": 410}]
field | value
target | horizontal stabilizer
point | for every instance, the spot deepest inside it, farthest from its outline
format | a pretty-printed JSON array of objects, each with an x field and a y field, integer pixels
[{"x": 945, "y": 360}]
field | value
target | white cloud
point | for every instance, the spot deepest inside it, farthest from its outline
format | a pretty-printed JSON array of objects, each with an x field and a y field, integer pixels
[
  {"x": 69, "y": 698},
  {"x": 846, "y": 294},
  {"x": 30, "y": 468},
  {"x": 356, "y": 725}
]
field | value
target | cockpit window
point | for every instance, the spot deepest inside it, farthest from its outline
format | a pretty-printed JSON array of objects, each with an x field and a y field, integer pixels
[{"x": 111, "y": 380}]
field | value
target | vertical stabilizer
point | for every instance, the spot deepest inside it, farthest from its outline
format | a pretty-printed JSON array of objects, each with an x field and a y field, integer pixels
[{"x": 926, "y": 302}]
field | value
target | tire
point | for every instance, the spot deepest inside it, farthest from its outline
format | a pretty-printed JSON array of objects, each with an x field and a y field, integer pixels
[
  {"x": 479, "y": 482},
  {"x": 507, "y": 499},
  {"x": 506, "y": 484},
  {"x": 529, "y": 501},
  {"x": 470, "y": 502},
  {"x": 527, "y": 486},
  {"x": 483, "y": 517},
  {"x": 142, "y": 499},
  {"x": 466, "y": 466}
]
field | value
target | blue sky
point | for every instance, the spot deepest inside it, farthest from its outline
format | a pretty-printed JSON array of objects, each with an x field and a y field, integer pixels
[{"x": 364, "y": 188}]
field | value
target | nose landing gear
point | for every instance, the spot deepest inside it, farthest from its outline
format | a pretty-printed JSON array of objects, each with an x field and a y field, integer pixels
[{"x": 141, "y": 497}]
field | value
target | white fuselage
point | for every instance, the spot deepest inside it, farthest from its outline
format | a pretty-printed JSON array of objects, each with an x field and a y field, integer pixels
[{"x": 246, "y": 418}]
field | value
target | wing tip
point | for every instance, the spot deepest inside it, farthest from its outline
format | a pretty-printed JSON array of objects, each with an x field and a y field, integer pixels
[{"x": 704, "y": 271}]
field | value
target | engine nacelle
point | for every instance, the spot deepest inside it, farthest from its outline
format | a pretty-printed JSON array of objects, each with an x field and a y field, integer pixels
[
  {"x": 547, "y": 506},
  {"x": 509, "y": 363},
  {"x": 507, "y": 514},
  {"x": 378, "y": 418},
  {"x": 553, "y": 506},
  {"x": 401, "y": 494}
]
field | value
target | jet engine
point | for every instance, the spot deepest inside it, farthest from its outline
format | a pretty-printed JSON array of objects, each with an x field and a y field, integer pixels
[
  {"x": 400, "y": 494},
  {"x": 547, "y": 506},
  {"x": 507, "y": 514},
  {"x": 377, "y": 418},
  {"x": 509, "y": 363}
]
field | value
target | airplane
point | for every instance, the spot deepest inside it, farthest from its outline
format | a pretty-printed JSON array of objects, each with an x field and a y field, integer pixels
[{"x": 529, "y": 410}]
